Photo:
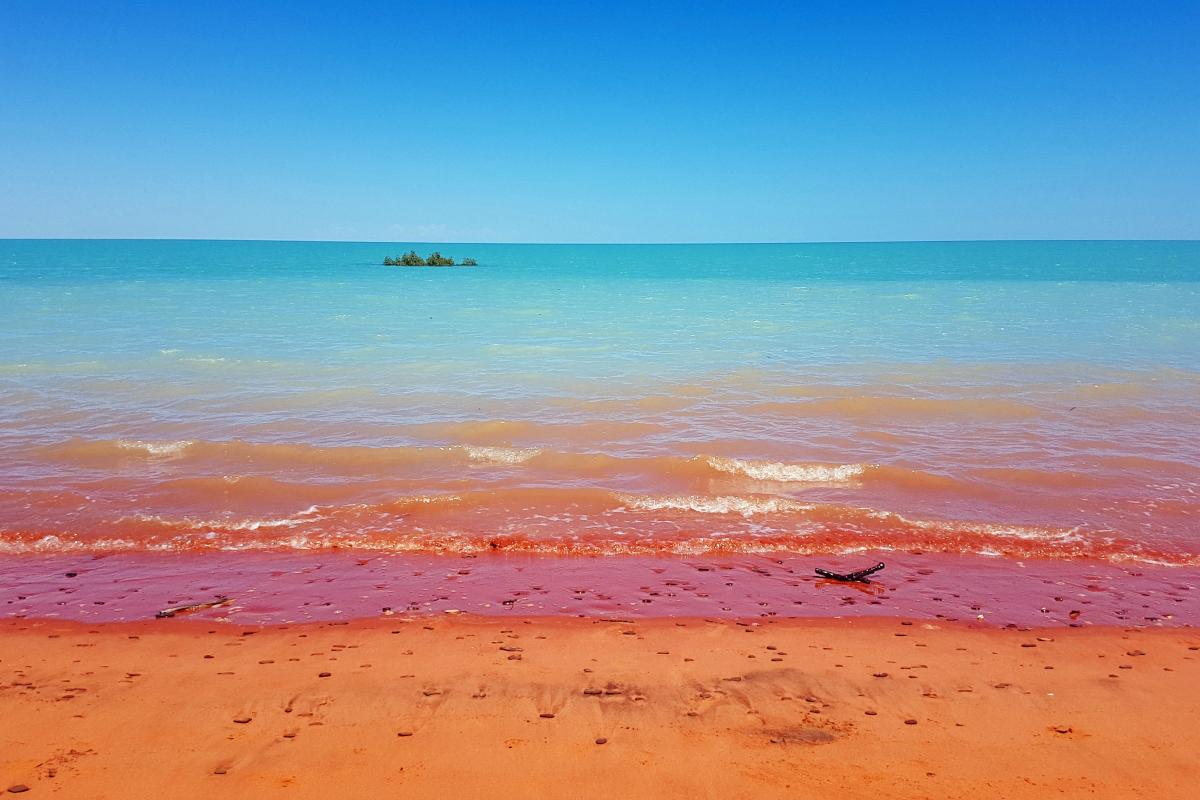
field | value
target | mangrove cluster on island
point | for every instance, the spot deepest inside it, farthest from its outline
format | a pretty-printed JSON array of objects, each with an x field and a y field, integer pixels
[{"x": 435, "y": 259}]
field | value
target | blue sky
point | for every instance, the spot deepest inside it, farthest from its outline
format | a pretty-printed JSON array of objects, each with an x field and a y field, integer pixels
[{"x": 600, "y": 122}]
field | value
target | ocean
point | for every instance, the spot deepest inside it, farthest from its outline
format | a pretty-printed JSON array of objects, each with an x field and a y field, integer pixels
[{"x": 1000, "y": 402}]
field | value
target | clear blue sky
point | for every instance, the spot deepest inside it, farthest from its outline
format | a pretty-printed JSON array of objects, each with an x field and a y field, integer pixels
[{"x": 607, "y": 121}]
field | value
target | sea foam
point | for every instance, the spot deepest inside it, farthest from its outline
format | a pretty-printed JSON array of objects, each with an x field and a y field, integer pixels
[
  {"x": 791, "y": 473},
  {"x": 500, "y": 455},
  {"x": 168, "y": 449},
  {"x": 745, "y": 506}
]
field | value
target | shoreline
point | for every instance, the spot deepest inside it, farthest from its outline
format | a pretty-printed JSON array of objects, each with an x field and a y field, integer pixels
[
  {"x": 273, "y": 587},
  {"x": 453, "y": 705}
]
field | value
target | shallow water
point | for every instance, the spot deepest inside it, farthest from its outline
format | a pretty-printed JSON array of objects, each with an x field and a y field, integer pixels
[{"x": 1025, "y": 400}]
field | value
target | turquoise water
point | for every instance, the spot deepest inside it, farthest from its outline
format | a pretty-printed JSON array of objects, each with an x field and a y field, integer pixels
[
  {"x": 948, "y": 361},
  {"x": 541, "y": 313}
]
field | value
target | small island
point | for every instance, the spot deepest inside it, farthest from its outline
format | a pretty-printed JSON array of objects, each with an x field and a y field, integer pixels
[{"x": 436, "y": 259}]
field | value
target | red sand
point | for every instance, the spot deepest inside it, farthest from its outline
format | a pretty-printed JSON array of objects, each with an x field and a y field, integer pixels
[
  {"x": 535, "y": 707},
  {"x": 501, "y": 675}
]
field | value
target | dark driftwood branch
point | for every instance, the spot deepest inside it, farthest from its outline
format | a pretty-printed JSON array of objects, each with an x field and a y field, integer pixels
[
  {"x": 851, "y": 577},
  {"x": 190, "y": 607}
]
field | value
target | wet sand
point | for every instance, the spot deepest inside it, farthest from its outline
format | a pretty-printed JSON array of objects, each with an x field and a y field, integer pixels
[
  {"x": 270, "y": 588},
  {"x": 456, "y": 706}
]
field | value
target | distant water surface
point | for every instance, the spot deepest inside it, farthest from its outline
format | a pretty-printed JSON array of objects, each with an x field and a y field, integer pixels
[{"x": 1021, "y": 399}]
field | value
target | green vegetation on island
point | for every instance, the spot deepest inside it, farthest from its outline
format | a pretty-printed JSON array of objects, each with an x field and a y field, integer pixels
[{"x": 435, "y": 259}]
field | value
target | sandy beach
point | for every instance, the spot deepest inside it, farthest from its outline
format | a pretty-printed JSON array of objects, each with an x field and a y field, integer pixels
[
  {"x": 454, "y": 706},
  {"x": 599, "y": 401}
]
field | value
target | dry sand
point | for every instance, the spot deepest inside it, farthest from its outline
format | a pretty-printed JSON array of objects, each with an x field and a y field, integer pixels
[{"x": 453, "y": 707}]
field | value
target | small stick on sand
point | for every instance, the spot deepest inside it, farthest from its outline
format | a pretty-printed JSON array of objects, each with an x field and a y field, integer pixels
[
  {"x": 851, "y": 577},
  {"x": 190, "y": 607}
]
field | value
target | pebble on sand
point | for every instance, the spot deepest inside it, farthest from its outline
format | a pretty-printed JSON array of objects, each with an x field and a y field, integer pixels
[
  {"x": 17, "y": 788},
  {"x": 324, "y": 674},
  {"x": 602, "y": 740}
]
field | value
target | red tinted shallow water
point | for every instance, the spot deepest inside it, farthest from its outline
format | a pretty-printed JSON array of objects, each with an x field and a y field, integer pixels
[
  {"x": 269, "y": 588},
  {"x": 976, "y": 487},
  {"x": 711, "y": 499}
]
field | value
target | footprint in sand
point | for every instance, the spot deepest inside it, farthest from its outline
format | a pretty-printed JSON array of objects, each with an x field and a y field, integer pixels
[
  {"x": 797, "y": 734},
  {"x": 415, "y": 715},
  {"x": 309, "y": 708},
  {"x": 549, "y": 702},
  {"x": 703, "y": 699}
]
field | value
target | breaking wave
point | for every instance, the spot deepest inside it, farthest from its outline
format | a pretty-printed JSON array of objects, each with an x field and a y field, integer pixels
[
  {"x": 776, "y": 471},
  {"x": 746, "y": 506},
  {"x": 500, "y": 455},
  {"x": 168, "y": 449},
  {"x": 585, "y": 523}
]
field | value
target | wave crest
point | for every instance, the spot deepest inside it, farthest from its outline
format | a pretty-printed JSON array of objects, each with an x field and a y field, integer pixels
[
  {"x": 746, "y": 506},
  {"x": 500, "y": 455},
  {"x": 787, "y": 473},
  {"x": 168, "y": 449}
]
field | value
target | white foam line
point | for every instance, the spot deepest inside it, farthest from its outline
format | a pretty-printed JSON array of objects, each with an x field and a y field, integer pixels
[{"x": 791, "y": 473}]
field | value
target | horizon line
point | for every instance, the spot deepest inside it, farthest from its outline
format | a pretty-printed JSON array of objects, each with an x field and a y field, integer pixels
[{"x": 561, "y": 244}]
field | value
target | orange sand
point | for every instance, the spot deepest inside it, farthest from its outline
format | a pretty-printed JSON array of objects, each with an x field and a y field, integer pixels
[{"x": 455, "y": 707}]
